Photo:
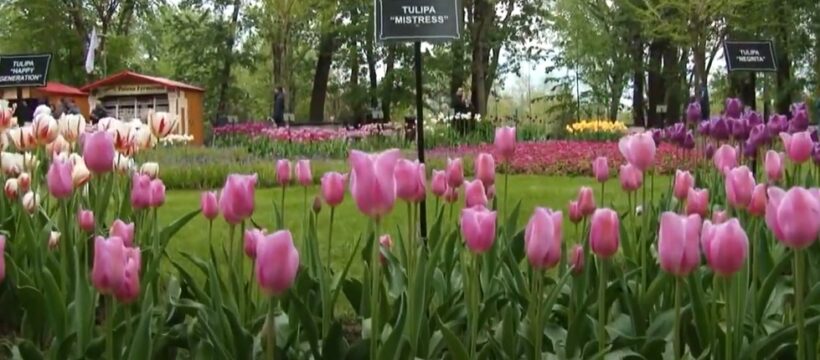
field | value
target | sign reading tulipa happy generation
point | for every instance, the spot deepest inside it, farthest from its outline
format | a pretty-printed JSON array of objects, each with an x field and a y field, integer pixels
[
  {"x": 417, "y": 20},
  {"x": 24, "y": 70}
]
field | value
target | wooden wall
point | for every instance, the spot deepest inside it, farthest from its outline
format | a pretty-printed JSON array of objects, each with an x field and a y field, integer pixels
[{"x": 196, "y": 117}]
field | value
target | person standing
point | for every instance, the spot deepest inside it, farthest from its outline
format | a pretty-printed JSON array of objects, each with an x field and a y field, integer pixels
[{"x": 279, "y": 106}]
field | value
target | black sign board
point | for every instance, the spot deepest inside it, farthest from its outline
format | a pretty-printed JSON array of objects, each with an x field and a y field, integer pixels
[
  {"x": 417, "y": 20},
  {"x": 755, "y": 56},
  {"x": 24, "y": 70}
]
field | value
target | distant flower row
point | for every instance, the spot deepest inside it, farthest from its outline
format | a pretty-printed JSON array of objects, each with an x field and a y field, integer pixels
[{"x": 303, "y": 134}]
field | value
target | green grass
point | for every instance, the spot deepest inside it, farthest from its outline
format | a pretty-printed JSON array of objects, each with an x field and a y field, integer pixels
[{"x": 530, "y": 190}]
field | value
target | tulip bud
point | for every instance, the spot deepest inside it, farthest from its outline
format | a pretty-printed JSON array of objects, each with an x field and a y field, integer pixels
[
  {"x": 725, "y": 246},
  {"x": 45, "y": 129},
  {"x": 739, "y": 185},
  {"x": 123, "y": 164},
  {"x": 31, "y": 202},
  {"x": 30, "y": 162},
  {"x": 80, "y": 174},
  {"x": 794, "y": 216},
  {"x": 600, "y": 169},
  {"x": 123, "y": 231},
  {"x": 85, "y": 218},
  {"x": 317, "y": 204},
  {"x": 678, "y": 243},
  {"x": 277, "y": 262},
  {"x": 98, "y": 152},
  {"x": 505, "y": 142},
  {"x": 697, "y": 202},
  {"x": 485, "y": 169},
  {"x": 283, "y": 172},
  {"x": 236, "y": 200},
  {"x": 604, "y": 233},
  {"x": 12, "y": 188},
  {"x": 109, "y": 264},
  {"x": 451, "y": 195},
  {"x": 303, "y": 172},
  {"x": 251, "y": 239},
  {"x": 683, "y": 182},
  {"x": 207, "y": 202},
  {"x": 757, "y": 206},
  {"x": 71, "y": 126},
  {"x": 455, "y": 173},
  {"x": 719, "y": 216},
  {"x": 542, "y": 238},
  {"x": 157, "y": 193},
  {"x": 575, "y": 214},
  {"x": 586, "y": 201},
  {"x": 438, "y": 183},
  {"x": 129, "y": 288},
  {"x": 475, "y": 194},
  {"x": 372, "y": 182},
  {"x": 151, "y": 169},
  {"x": 162, "y": 124},
  {"x": 576, "y": 260},
  {"x": 773, "y": 164},
  {"x": 54, "y": 240},
  {"x": 478, "y": 229},
  {"x": 385, "y": 244},
  {"x": 59, "y": 145},
  {"x": 638, "y": 150},
  {"x": 798, "y": 146},
  {"x": 630, "y": 177},
  {"x": 333, "y": 188},
  {"x": 25, "y": 181},
  {"x": 59, "y": 180}
]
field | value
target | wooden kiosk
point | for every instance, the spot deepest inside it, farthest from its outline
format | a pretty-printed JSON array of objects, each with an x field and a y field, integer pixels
[{"x": 128, "y": 95}]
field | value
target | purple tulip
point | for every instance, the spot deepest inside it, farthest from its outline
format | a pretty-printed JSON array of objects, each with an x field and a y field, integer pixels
[
  {"x": 678, "y": 133},
  {"x": 657, "y": 136},
  {"x": 754, "y": 118},
  {"x": 689, "y": 140},
  {"x": 693, "y": 112},
  {"x": 750, "y": 149},
  {"x": 815, "y": 154},
  {"x": 799, "y": 121},
  {"x": 777, "y": 124},
  {"x": 709, "y": 151},
  {"x": 740, "y": 128},
  {"x": 734, "y": 107},
  {"x": 758, "y": 135},
  {"x": 719, "y": 128},
  {"x": 703, "y": 127}
]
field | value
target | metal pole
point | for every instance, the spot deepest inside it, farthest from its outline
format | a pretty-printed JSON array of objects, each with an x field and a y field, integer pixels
[{"x": 420, "y": 136}]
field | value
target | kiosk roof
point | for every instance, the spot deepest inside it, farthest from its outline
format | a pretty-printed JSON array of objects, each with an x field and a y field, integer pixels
[{"x": 130, "y": 77}]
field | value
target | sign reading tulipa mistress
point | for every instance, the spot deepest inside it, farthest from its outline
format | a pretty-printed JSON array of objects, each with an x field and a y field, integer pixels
[
  {"x": 417, "y": 20},
  {"x": 24, "y": 70},
  {"x": 757, "y": 56}
]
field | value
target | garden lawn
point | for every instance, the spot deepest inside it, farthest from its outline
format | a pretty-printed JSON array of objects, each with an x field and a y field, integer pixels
[{"x": 531, "y": 190}]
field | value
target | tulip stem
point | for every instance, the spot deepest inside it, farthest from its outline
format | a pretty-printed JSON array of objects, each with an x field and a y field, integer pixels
[
  {"x": 282, "y": 209},
  {"x": 799, "y": 273},
  {"x": 602, "y": 193},
  {"x": 536, "y": 302},
  {"x": 64, "y": 246},
  {"x": 109, "y": 323},
  {"x": 330, "y": 238},
  {"x": 727, "y": 288},
  {"x": 602, "y": 305},
  {"x": 678, "y": 300},
  {"x": 271, "y": 333},
  {"x": 375, "y": 296},
  {"x": 473, "y": 304}
]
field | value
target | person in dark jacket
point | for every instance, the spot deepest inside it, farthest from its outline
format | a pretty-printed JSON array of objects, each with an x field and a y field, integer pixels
[
  {"x": 98, "y": 113},
  {"x": 279, "y": 106}
]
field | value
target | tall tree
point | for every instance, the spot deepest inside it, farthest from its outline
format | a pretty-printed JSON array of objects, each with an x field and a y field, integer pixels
[{"x": 225, "y": 75}]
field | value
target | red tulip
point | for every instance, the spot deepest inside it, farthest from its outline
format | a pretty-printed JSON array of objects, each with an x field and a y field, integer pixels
[
  {"x": 740, "y": 184},
  {"x": 372, "y": 183},
  {"x": 123, "y": 231},
  {"x": 683, "y": 182},
  {"x": 277, "y": 262},
  {"x": 474, "y": 193},
  {"x": 478, "y": 228},
  {"x": 109, "y": 263},
  {"x": 505, "y": 143},
  {"x": 793, "y": 216},
  {"x": 236, "y": 201},
  {"x": 333, "y": 188},
  {"x": 58, "y": 179},
  {"x": 678, "y": 243},
  {"x": 600, "y": 169},
  {"x": 485, "y": 169},
  {"x": 725, "y": 246},
  {"x": 208, "y": 204},
  {"x": 542, "y": 238},
  {"x": 604, "y": 233}
]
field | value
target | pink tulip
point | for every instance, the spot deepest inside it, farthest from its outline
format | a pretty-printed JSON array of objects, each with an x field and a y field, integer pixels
[
  {"x": 542, "y": 238},
  {"x": 740, "y": 183},
  {"x": 638, "y": 150},
  {"x": 491, "y": 193},
  {"x": 697, "y": 202},
  {"x": 410, "y": 178},
  {"x": 725, "y": 246},
  {"x": 474, "y": 193},
  {"x": 236, "y": 201},
  {"x": 140, "y": 191},
  {"x": 438, "y": 183},
  {"x": 277, "y": 262},
  {"x": 600, "y": 169},
  {"x": 283, "y": 172},
  {"x": 157, "y": 191},
  {"x": 683, "y": 182},
  {"x": 505, "y": 143},
  {"x": 793, "y": 216},
  {"x": 333, "y": 188},
  {"x": 59, "y": 181},
  {"x": 576, "y": 260},
  {"x": 303, "y": 173},
  {"x": 98, "y": 152},
  {"x": 720, "y": 217},
  {"x": 455, "y": 173},
  {"x": 385, "y": 244},
  {"x": 129, "y": 289},
  {"x": 85, "y": 218},
  {"x": 798, "y": 146},
  {"x": 725, "y": 158},
  {"x": 485, "y": 169},
  {"x": 251, "y": 239},
  {"x": 757, "y": 206},
  {"x": 575, "y": 214},
  {"x": 372, "y": 183},
  {"x": 123, "y": 231},
  {"x": 478, "y": 228},
  {"x": 208, "y": 204},
  {"x": 451, "y": 195},
  {"x": 678, "y": 243},
  {"x": 631, "y": 178},
  {"x": 586, "y": 201},
  {"x": 604, "y": 233},
  {"x": 774, "y": 166},
  {"x": 109, "y": 263}
]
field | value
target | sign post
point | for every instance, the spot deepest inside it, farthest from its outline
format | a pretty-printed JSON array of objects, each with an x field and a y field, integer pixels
[
  {"x": 750, "y": 56},
  {"x": 417, "y": 21}
]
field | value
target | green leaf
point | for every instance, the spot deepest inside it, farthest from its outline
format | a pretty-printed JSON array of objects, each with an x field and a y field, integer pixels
[
  {"x": 29, "y": 351},
  {"x": 392, "y": 348},
  {"x": 766, "y": 289},
  {"x": 57, "y": 312},
  {"x": 307, "y": 323},
  {"x": 767, "y": 346},
  {"x": 82, "y": 306},
  {"x": 509, "y": 331},
  {"x": 173, "y": 228},
  {"x": 699, "y": 308},
  {"x": 243, "y": 341},
  {"x": 141, "y": 344},
  {"x": 456, "y": 349},
  {"x": 353, "y": 292},
  {"x": 334, "y": 345},
  {"x": 337, "y": 286}
]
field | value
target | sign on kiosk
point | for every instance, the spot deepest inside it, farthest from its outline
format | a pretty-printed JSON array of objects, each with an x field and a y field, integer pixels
[
  {"x": 24, "y": 70},
  {"x": 417, "y": 20},
  {"x": 757, "y": 56}
]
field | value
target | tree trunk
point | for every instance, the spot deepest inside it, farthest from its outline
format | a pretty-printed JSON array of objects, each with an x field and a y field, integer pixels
[
  {"x": 655, "y": 83},
  {"x": 482, "y": 14},
  {"x": 225, "y": 75},
  {"x": 784, "y": 69},
  {"x": 457, "y": 75},
  {"x": 387, "y": 83},
  {"x": 371, "y": 69},
  {"x": 638, "y": 78},
  {"x": 321, "y": 77},
  {"x": 673, "y": 84},
  {"x": 357, "y": 103}
]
